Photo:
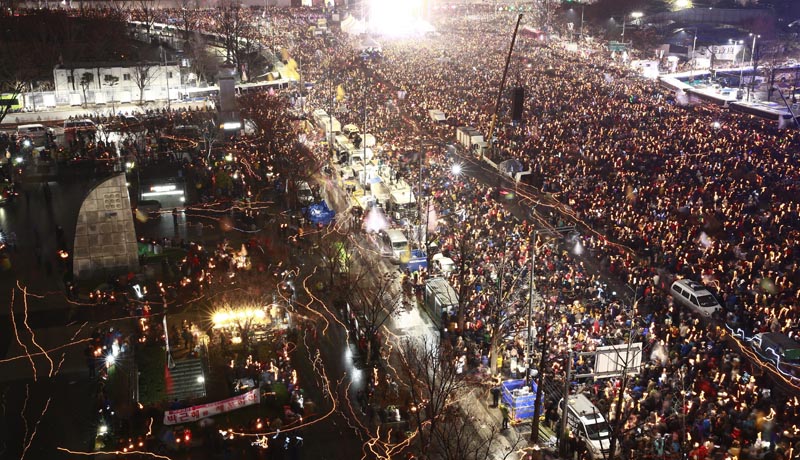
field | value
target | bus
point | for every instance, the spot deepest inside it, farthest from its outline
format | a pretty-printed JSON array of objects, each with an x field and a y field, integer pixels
[{"x": 12, "y": 101}]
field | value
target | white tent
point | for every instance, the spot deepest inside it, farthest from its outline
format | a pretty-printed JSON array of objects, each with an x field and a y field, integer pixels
[
  {"x": 437, "y": 115},
  {"x": 352, "y": 26},
  {"x": 369, "y": 44}
]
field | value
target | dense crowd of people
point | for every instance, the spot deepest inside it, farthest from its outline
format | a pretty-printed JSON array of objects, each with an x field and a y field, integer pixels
[{"x": 658, "y": 189}]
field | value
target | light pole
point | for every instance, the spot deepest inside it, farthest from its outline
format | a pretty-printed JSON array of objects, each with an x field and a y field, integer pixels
[
  {"x": 635, "y": 15},
  {"x": 694, "y": 47},
  {"x": 752, "y": 65},
  {"x": 741, "y": 68},
  {"x": 753, "y": 51}
]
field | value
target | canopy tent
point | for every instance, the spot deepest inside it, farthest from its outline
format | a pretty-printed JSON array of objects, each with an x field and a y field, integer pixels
[
  {"x": 437, "y": 115},
  {"x": 369, "y": 44},
  {"x": 352, "y": 26}
]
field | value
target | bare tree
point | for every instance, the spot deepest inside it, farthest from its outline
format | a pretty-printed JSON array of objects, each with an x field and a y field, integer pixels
[
  {"x": 337, "y": 253},
  {"x": 461, "y": 436},
  {"x": 430, "y": 371},
  {"x": 112, "y": 81},
  {"x": 374, "y": 303},
  {"x": 237, "y": 32},
  {"x": 231, "y": 26},
  {"x": 86, "y": 80},
  {"x": 148, "y": 13},
  {"x": 277, "y": 134},
  {"x": 142, "y": 75},
  {"x": 187, "y": 17},
  {"x": 204, "y": 63},
  {"x": 18, "y": 68},
  {"x": 233, "y": 304}
]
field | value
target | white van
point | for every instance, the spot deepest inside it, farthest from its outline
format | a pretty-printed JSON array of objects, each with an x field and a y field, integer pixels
[
  {"x": 588, "y": 425},
  {"x": 695, "y": 296},
  {"x": 36, "y": 132},
  {"x": 443, "y": 264},
  {"x": 304, "y": 193},
  {"x": 395, "y": 240}
]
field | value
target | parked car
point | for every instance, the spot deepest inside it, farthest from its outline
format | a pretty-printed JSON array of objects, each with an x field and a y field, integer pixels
[{"x": 695, "y": 296}]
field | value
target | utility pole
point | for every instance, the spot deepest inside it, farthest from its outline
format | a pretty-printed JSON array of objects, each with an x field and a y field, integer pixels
[
  {"x": 502, "y": 86},
  {"x": 537, "y": 406},
  {"x": 620, "y": 396},
  {"x": 562, "y": 428}
]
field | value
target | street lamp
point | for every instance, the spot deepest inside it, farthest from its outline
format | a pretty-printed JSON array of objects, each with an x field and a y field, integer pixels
[
  {"x": 741, "y": 68},
  {"x": 753, "y": 51},
  {"x": 634, "y": 15},
  {"x": 694, "y": 47},
  {"x": 752, "y": 65}
]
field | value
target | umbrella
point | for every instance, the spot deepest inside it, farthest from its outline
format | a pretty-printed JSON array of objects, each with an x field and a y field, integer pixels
[{"x": 375, "y": 179}]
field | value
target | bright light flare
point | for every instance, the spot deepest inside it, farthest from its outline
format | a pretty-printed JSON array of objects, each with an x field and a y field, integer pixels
[
  {"x": 235, "y": 317},
  {"x": 376, "y": 221},
  {"x": 681, "y": 4},
  {"x": 395, "y": 19}
]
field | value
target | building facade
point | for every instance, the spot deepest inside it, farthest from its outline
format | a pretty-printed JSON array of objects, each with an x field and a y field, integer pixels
[{"x": 95, "y": 84}]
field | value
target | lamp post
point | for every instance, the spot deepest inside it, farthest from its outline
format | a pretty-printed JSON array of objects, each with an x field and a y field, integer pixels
[
  {"x": 741, "y": 68},
  {"x": 694, "y": 47},
  {"x": 752, "y": 65},
  {"x": 753, "y": 51},
  {"x": 635, "y": 15}
]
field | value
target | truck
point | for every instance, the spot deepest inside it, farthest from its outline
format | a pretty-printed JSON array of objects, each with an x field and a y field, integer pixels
[
  {"x": 440, "y": 299},
  {"x": 402, "y": 204},
  {"x": 360, "y": 155},
  {"x": 779, "y": 349},
  {"x": 589, "y": 426},
  {"x": 325, "y": 122}
]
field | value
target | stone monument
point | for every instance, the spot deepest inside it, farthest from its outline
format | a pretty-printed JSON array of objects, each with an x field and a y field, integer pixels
[{"x": 105, "y": 238}]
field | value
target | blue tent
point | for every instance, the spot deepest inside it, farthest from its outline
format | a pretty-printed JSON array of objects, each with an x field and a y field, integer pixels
[{"x": 319, "y": 213}]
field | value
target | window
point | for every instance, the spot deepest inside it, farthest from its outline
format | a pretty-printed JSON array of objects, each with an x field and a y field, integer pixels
[
  {"x": 169, "y": 74},
  {"x": 693, "y": 299},
  {"x": 70, "y": 79},
  {"x": 108, "y": 78},
  {"x": 126, "y": 77}
]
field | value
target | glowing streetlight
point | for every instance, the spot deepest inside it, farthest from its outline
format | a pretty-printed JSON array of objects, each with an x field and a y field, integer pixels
[
  {"x": 681, "y": 4},
  {"x": 634, "y": 15},
  {"x": 456, "y": 169}
]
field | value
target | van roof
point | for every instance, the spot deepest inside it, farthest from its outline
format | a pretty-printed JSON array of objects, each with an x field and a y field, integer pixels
[
  {"x": 396, "y": 234},
  {"x": 583, "y": 407},
  {"x": 693, "y": 286},
  {"x": 32, "y": 125}
]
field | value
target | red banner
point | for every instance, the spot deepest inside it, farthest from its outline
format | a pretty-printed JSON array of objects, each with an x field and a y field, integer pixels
[{"x": 195, "y": 413}]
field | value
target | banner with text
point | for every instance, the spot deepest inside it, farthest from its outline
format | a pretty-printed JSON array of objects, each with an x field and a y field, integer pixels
[{"x": 195, "y": 413}]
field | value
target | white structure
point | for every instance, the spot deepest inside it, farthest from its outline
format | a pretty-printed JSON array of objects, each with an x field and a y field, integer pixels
[{"x": 115, "y": 83}]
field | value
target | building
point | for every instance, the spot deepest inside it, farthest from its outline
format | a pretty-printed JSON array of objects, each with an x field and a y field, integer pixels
[{"x": 107, "y": 83}]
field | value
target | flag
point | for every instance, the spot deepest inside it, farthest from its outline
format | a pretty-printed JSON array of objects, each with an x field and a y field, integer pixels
[
  {"x": 141, "y": 216},
  {"x": 340, "y": 94}
]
